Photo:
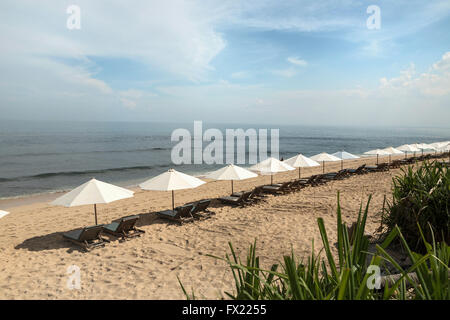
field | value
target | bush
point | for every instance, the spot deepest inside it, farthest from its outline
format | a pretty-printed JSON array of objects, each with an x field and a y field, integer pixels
[
  {"x": 420, "y": 198},
  {"x": 348, "y": 277}
]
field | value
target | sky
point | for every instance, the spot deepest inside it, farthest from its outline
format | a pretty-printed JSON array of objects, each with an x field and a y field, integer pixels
[{"x": 304, "y": 62}]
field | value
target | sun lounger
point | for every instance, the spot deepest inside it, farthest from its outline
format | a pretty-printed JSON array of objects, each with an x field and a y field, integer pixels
[
  {"x": 180, "y": 214},
  {"x": 200, "y": 209},
  {"x": 360, "y": 170},
  {"x": 87, "y": 237},
  {"x": 396, "y": 163},
  {"x": 311, "y": 181},
  {"x": 236, "y": 201},
  {"x": 277, "y": 189},
  {"x": 125, "y": 228},
  {"x": 377, "y": 168},
  {"x": 336, "y": 175},
  {"x": 321, "y": 179},
  {"x": 256, "y": 195},
  {"x": 296, "y": 185}
]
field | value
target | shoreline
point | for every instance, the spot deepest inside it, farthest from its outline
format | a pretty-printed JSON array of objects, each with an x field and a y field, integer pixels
[{"x": 46, "y": 197}]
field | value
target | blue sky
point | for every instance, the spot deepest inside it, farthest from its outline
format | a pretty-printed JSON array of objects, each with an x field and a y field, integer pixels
[{"x": 280, "y": 62}]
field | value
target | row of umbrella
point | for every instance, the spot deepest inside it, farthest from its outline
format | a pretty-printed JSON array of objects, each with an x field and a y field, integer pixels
[{"x": 98, "y": 192}]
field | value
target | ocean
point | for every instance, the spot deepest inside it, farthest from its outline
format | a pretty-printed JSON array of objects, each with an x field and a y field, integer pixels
[{"x": 41, "y": 157}]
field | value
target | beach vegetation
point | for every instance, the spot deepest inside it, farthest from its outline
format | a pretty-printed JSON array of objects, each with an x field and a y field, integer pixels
[
  {"x": 357, "y": 271},
  {"x": 420, "y": 203}
]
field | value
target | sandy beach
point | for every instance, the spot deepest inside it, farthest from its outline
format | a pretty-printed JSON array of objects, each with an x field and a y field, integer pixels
[{"x": 35, "y": 257}]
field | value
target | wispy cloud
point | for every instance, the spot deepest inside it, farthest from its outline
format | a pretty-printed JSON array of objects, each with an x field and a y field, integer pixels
[{"x": 297, "y": 61}]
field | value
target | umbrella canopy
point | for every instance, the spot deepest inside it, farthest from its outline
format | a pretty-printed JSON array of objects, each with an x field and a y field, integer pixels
[
  {"x": 93, "y": 192},
  {"x": 408, "y": 148},
  {"x": 424, "y": 146},
  {"x": 300, "y": 161},
  {"x": 324, "y": 157},
  {"x": 392, "y": 150},
  {"x": 231, "y": 172},
  {"x": 445, "y": 148},
  {"x": 171, "y": 180},
  {"x": 438, "y": 145},
  {"x": 3, "y": 213},
  {"x": 377, "y": 152},
  {"x": 344, "y": 155},
  {"x": 271, "y": 166}
]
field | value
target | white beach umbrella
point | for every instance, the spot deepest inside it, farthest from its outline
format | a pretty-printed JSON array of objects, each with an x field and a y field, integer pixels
[
  {"x": 439, "y": 145},
  {"x": 407, "y": 148},
  {"x": 171, "y": 180},
  {"x": 3, "y": 213},
  {"x": 93, "y": 192},
  {"x": 392, "y": 151},
  {"x": 445, "y": 148},
  {"x": 344, "y": 155},
  {"x": 231, "y": 172},
  {"x": 324, "y": 157},
  {"x": 271, "y": 166},
  {"x": 300, "y": 161},
  {"x": 424, "y": 146},
  {"x": 377, "y": 152}
]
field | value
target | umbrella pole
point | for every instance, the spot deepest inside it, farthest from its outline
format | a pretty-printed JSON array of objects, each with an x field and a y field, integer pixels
[
  {"x": 323, "y": 166},
  {"x": 173, "y": 202},
  {"x": 95, "y": 211},
  {"x": 232, "y": 187},
  {"x": 377, "y": 158},
  {"x": 271, "y": 179},
  {"x": 299, "y": 172},
  {"x": 342, "y": 164}
]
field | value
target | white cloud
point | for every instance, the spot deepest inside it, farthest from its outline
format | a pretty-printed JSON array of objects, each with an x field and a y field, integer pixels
[
  {"x": 297, "y": 61},
  {"x": 435, "y": 82}
]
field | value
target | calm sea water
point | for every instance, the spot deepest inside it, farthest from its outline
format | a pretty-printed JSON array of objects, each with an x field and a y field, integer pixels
[{"x": 39, "y": 157}]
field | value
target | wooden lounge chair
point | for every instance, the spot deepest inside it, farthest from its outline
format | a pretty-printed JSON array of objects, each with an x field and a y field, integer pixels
[
  {"x": 321, "y": 179},
  {"x": 277, "y": 189},
  {"x": 181, "y": 214},
  {"x": 360, "y": 170},
  {"x": 200, "y": 209},
  {"x": 296, "y": 185},
  {"x": 125, "y": 228},
  {"x": 236, "y": 201},
  {"x": 311, "y": 181},
  {"x": 336, "y": 175},
  {"x": 87, "y": 237},
  {"x": 378, "y": 168},
  {"x": 256, "y": 195},
  {"x": 396, "y": 163}
]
